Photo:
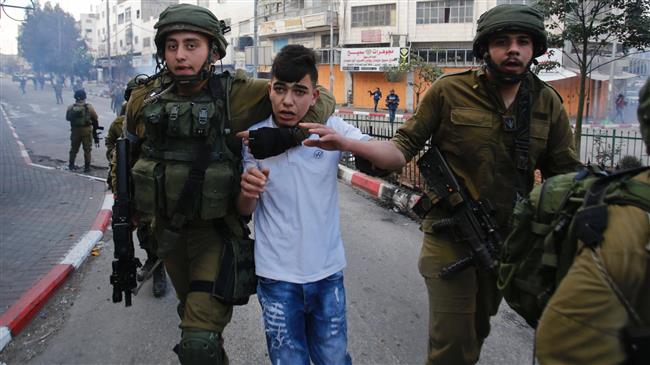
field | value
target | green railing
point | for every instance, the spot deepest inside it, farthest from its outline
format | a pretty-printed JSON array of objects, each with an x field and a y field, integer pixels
[{"x": 604, "y": 146}]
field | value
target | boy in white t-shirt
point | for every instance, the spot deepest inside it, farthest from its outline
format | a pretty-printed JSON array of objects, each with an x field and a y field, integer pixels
[{"x": 299, "y": 255}]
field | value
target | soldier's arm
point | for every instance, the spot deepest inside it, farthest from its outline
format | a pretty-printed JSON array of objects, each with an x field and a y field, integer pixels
[
  {"x": 114, "y": 132},
  {"x": 560, "y": 156},
  {"x": 93, "y": 115},
  {"x": 411, "y": 137},
  {"x": 250, "y": 103}
]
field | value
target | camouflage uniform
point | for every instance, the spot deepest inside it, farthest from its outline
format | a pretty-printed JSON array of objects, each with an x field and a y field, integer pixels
[
  {"x": 196, "y": 255},
  {"x": 463, "y": 114},
  {"x": 81, "y": 132},
  {"x": 584, "y": 319}
]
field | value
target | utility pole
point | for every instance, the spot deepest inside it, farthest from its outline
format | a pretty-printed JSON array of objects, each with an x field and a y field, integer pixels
[
  {"x": 255, "y": 38},
  {"x": 331, "y": 19},
  {"x": 108, "y": 45},
  {"x": 610, "y": 94}
]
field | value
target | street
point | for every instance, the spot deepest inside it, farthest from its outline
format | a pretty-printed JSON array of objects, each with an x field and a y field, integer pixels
[{"x": 386, "y": 296}]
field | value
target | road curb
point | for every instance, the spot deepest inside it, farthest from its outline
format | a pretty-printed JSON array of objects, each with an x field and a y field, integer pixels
[
  {"x": 21, "y": 312},
  {"x": 401, "y": 200}
]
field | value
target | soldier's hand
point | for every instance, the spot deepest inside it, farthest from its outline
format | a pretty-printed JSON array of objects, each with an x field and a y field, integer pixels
[
  {"x": 329, "y": 139},
  {"x": 253, "y": 181},
  {"x": 97, "y": 142}
]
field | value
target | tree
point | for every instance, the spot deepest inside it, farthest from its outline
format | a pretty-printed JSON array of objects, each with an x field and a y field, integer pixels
[
  {"x": 46, "y": 39},
  {"x": 82, "y": 62},
  {"x": 589, "y": 27},
  {"x": 424, "y": 74}
]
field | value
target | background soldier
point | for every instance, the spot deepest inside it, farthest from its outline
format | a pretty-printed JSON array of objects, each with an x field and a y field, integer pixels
[
  {"x": 58, "y": 91},
  {"x": 494, "y": 126},
  {"x": 586, "y": 322},
  {"x": 84, "y": 124},
  {"x": 187, "y": 113}
]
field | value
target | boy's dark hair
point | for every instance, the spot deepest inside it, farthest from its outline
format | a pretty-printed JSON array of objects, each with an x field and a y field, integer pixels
[{"x": 294, "y": 62}]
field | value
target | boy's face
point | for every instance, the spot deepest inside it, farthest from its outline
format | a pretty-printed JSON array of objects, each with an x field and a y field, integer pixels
[
  {"x": 291, "y": 100},
  {"x": 186, "y": 52}
]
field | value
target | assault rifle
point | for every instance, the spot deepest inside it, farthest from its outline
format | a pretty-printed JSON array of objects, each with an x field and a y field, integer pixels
[
  {"x": 126, "y": 264},
  {"x": 470, "y": 223}
]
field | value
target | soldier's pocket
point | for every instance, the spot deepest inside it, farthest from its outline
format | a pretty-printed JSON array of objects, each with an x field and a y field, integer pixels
[
  {"x": 218, "y": 189},
  {"x": 145, "y": 188},
  {"x": 472, "y": 128}
]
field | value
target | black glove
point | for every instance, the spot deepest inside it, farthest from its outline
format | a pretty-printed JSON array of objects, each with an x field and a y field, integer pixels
[
  {"x": 268, "y": 142},
  {"x": 368, "y": 168},
  {"x": 96, "y": 133}
]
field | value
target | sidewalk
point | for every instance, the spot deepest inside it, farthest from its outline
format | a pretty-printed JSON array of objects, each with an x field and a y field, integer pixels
[{"x": 45, "y": 218}]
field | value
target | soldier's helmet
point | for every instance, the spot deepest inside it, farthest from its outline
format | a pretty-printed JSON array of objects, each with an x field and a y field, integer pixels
[
  {"x": 192, "y": 18},
  {"x": 510, "y": 17},
  {"x": 80, "y": 94},
  {"x": 644, "y": 114}
]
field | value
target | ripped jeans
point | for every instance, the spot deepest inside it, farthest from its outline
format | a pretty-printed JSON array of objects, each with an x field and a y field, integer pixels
[{"x": 304, "y": 321}]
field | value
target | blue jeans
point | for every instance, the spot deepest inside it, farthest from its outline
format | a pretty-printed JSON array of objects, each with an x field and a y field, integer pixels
[
  {"x": 391, "y": 114},
  {"x": 304, "y": 321}
]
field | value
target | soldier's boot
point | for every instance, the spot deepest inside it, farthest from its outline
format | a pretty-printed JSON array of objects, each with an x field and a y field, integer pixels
[
  {"x": 159, "y": 281},
  {"x": 201, "y": 347},
  {"x": 71, "y": 165},
  {"x": 87, "y": 167},
  {"x": 145, "y": 268}
]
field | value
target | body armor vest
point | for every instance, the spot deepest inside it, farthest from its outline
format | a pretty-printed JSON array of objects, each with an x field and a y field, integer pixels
[{"x": 176, "y": 129}]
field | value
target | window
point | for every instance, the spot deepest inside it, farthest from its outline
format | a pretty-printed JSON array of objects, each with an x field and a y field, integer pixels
[
  {"x": 120, "y": 18},
  {"x": 146, "y": 42},
  {"x": 128, "y": 36},
  {"x": 373, "y": 15},
  {"x": 444, "y": 11},
  {"x": 135, "y": 40},
  {"x": 137, "y": 14},
  {"x": 121, "y": 44},
  {"x": 325, "y": 40},
  {"x": 450, "y": 57},
  {"x": 522, "y": 2},
  {"x": 127, "y": 14}
]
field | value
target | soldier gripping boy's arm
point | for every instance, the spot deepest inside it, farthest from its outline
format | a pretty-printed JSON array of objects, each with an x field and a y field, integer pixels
[
  {"x": 494, "y": 126},
  {"x": 185, "y": 118}
]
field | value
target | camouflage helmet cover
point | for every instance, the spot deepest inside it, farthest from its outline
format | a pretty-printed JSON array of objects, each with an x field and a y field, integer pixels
[
  {"x": 644, "y": 113},
  {"x": 510, "y": 17},
  {"x": 192, "y": 18}
]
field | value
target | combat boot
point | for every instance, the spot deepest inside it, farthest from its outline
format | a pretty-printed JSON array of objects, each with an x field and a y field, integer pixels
[
  {"x": 87, "y": 167},
  {"x": 71, "y": 165},
  {"x": 159, "y": 281}
]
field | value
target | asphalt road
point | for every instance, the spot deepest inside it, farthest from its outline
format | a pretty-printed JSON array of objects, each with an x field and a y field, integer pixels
[{"x": 387, "y": 304}]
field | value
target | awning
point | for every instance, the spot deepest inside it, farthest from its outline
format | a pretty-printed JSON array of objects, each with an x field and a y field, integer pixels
[
  {"x": 557, "y": 73},
  {"x": 601, "y": 76}
]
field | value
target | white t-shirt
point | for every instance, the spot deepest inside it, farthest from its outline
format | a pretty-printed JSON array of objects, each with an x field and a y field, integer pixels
[{"x": 297, "y": 234}]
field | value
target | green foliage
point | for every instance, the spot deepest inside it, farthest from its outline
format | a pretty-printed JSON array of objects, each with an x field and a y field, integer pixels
[
  {"x": 50, "y": 41},
  {"x": 424, "y": 74},
  {"x": 605, "y": 151},
  {"x": 590, "y": 26}
]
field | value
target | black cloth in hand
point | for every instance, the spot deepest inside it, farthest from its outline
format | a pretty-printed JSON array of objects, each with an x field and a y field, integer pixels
[{"x": 267, "y": 142}]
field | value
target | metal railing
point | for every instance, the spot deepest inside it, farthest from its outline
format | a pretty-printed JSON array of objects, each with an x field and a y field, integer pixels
[{"x": 603, "y": 146}]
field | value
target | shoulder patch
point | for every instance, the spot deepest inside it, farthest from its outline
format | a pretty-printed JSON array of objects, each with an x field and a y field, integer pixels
[{"x": 464, "y": 72}]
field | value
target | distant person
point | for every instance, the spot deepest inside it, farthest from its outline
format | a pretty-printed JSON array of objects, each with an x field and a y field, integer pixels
[
  {"x": 620, "y": 104},
  {"x": 41, "y": 81},
  {"x": 392, "y": 102},
  {"x": 58, "y": 92},
  {"x": 376, "y": 96},
  {"x": 83, "y": 128},
  {"x": 23, "y": 83},
  {"x": 35, "y": 82}
]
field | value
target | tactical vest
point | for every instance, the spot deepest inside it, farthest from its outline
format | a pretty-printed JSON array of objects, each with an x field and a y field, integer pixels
[
  {"x": 79, "y": 115},
  {"x": 177, "y": 128}
]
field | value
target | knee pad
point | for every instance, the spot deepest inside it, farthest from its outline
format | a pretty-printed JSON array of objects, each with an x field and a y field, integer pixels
[{"x": 201, "y": 347}]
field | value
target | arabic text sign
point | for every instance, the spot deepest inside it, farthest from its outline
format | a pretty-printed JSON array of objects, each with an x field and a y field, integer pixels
[{"x": 369, "y": 59}]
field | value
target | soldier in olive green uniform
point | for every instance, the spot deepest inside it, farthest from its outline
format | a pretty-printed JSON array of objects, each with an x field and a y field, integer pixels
[
  {"x": 584, "y": 321},
  {"x": 494, "y": 126},
  {"x": 171, "y": 121},
  {"x": 83, "y": 128}
]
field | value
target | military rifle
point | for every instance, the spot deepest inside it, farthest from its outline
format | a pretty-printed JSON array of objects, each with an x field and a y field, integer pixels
[
  {"x": 126, "y": 264},
  {"x": 470, "y": 220}
]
